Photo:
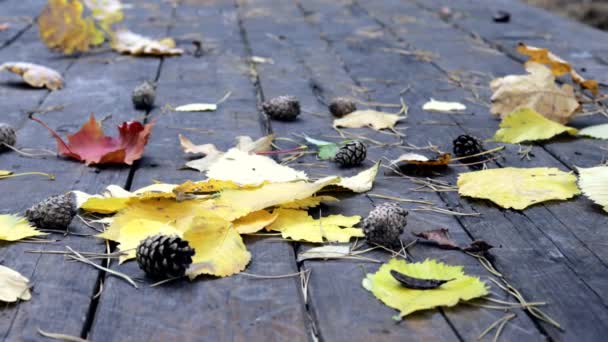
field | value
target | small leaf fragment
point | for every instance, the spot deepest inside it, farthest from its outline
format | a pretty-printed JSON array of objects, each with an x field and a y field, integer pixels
[
  {"x": 13, "y": 286},
  {"x": 417, "y": 283},
  {"x": 197, "y": 107},
  {"x": 125, "y": 41},
  {"x": 438, "y": 236},
  {"x": 597, "y": 131},
  {"x": 37, "y": 76},
  {"x": 526, "y": 124},
  {"x": 443, "y": 106}
]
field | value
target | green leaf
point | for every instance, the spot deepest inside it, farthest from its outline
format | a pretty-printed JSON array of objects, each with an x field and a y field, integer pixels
[{"x": 328, "y": 151}]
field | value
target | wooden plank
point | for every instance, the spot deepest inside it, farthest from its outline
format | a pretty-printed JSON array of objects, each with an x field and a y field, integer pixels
[
  {"x": 335, "y": 285},
  {"x": 571, "y": 225},
  {"x": 63, "y": 291},
  {"x": 233, "y": 308},
  {"x": 19, "y": 16},
  {"x": 418, "y": 75}
]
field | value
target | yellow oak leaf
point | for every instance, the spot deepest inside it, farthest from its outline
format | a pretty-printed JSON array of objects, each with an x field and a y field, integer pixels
[
  {"x": 129, "y": 235},
  {"x": 254, "y": 222},
  {"x": 593, "y": 182},
  {"x": 387, "y": 289},
  {"x": 298, "y": 225},
  {"x": 597, "y": 131},
  {"x": 368, "y": 118},
  {"x": 13, "y": 228},
  {"x": 557, "y": 65},
  {"x": 218, "y": 248},
  {"x": 518, "y": 188},
  {"x": 309, "y": 202},
  {"x": 13, "y": 286},
  {"x": 537, "y": 91},
  {"x": 526, "y": 124},
  {"x": 233, "y": 204},
  {"x": 251, "y": 169},
  {"x": 62, "y": 27},
  {"x": 127, "y": 42},
  {"x": 37, "y": 76}
]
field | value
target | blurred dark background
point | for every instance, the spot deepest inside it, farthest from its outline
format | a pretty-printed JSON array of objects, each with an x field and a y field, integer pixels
[{"x": 591, "y": 12}]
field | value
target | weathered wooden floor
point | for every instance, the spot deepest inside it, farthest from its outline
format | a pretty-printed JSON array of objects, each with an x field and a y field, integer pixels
[{"x": 554, "y": 252}]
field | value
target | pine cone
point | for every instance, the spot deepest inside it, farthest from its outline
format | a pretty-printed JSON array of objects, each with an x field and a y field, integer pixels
[
  {"x": 466, "y": 145},
  {"x": 351, "y": 154},
  {"x": 341, "y": 106},
  {"x": 384, "y": 225},
  {"x": 285, "y": 108},
  {"x": 7, "y": 136},
  {"x": 54, "y": 212},
  {"x": 143, "y": 96},
  {"x": 164, "y": 256}
]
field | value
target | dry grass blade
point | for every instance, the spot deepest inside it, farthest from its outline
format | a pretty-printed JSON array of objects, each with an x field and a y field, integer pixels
[
  {"x": 500, "y": 148},
  {"x": 399, "y": 199},
  {"x": 61, "y": 337},
  {"x": 444, "y": 211},
  {"x": 281, "y": 276},
  {"x": 82, "y": 259},
  {"x": 500, "y": 323},
  {"x": 12, "y": 175}
]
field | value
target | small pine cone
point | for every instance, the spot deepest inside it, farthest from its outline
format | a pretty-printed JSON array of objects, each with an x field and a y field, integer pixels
[
  {"x": 285, "y": 108},
  {"x": 164, "y": 256},
  {"x": 341, "y": 106},
  {"x": 466, "y": 145},
  {"x": 385, "y": 224},
  {"x": 7, "y": 136},
  {"x": 143, "y": 96},
  {"x": 54, "y": 212},
  {"x": 351, "y": 154}
]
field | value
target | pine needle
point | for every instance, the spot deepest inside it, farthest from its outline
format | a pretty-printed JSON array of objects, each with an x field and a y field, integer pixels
[
  {"x": 82, "y": 259},
  {"x": 61, "y": 337}
]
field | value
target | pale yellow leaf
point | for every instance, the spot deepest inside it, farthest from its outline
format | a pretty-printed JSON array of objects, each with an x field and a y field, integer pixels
[
  {"x": 526, "y": 124},
  {"x": 244, "y": 168},
  {"x": 387, "y": 289},
  {"x": 309, "y": 202},
  {"x": 298, "y": 225},
  {"x": 37, "y": 76},
  {"x": 536, "y": 90},
  {"x": 325, "y": 252},
  {"x": 443, "y": 106},
  {"x": 13, "y": 228},
  {"x": 254, "y": 222},
  {"x": 125, "y": 41},
  {"x": 361, "y": 182},
  {"x": 5, "y": 173},
  {"x": 219, "y": 248},
  {"x": 368, "y": 118},
  {"x": 593, "y": 182},
  {"x": 518, "y": 188},
  {"x": 13, "y": 286},
  {"x": 597, "y": 131},
  {"x": 197, "y": 107},
  {"x": 246, "y": 144}
]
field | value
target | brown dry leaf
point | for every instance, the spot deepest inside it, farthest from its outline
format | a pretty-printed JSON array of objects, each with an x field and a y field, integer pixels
[
  {"x": 408, "y": 160},
  {"x": 557, "y": 65},
  {"x": 62, "y": 27},
  {"x": 439, "y": 236},
  {"x": 368, "y": 118},
  {"x": 537, "y": 91},
  {"x": 132, "y": 43},
  {"x": 37, "y": 76}
]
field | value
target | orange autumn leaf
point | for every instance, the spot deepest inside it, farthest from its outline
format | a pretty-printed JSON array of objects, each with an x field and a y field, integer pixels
[
  {"x": 91, "y": 146},
  {"x": 557, "y": 65}
]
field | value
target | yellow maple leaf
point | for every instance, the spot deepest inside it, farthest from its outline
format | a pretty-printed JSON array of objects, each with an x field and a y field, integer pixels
[
  {"x": 254, "y": 222},
  {"x": 518, "y": 188},
  {"x": 13, "y": 228},
  {"x": 538, "y": 91},
  {"x": 527, "y": 125},
  {"x": 129, "y": 235},
  {"x": 233, "y": 204},
  {"x": 125, "y": 41},
  {"x": 13, "y": 286},
  {"x": 62, "y": 27},
  {"x": 251, "y": 169},
  {"x": 298, "y": 225},
  {"x": 218, "y": 248},
  {"x": 387, "y": 289},
  {"x": 368, "y": 118},
  {"x": 594, "y": 184},
  {"x": 557, "y": 65},
  {"x": 37, "y": 76}
]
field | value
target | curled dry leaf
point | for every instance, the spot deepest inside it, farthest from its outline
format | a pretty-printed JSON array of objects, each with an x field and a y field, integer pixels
[
  {"x": 368, "y": 118},
  {"x": 527, "y": 125},
  {"x": 132, "y": 43},
  {"x": 557, "y": 65},
  {"x": 13, "y": 286},
  {"x": 37, "y": 76},
  {"x": 537, "y": 91},
  {"x": 91, "y": 146},
  {"x": 417, "y": 283},
  {"x": 62, "y": 27},
  {"x": 478, "y": 247},
  {"x": 443, "y": 106},
  {"x": 439, "y": 236},
  {"x": 418, "y": 162},
  {"x": 518, "y": 188}
]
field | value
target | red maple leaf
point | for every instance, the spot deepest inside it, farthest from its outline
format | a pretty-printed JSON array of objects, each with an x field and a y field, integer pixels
[{"x": 90, "y": 144}]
